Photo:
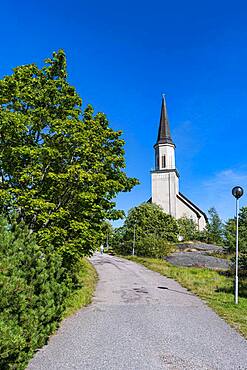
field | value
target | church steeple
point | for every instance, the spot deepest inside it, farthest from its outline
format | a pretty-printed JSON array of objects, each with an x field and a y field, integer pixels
[
  {"x": 164, "y": 133},
  {"x": 165, "y": 177},
  {"x": 164, "y": 147}
]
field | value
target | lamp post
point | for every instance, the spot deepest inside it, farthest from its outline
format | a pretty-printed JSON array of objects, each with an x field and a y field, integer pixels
[
  {"x": 134, "y": 240},
  {"x": 237, "y": 192},
  {"x": 107, "y": 241}
]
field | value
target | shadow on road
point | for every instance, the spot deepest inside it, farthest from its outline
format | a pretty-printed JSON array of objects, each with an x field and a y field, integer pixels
[{"x": 173, "y": 290}]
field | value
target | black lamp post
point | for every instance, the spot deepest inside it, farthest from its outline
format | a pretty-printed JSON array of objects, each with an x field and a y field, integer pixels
[{"x": 237, "y": 192}]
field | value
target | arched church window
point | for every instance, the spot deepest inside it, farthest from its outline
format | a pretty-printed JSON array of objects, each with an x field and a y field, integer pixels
[{"x": 163, "y": 161}]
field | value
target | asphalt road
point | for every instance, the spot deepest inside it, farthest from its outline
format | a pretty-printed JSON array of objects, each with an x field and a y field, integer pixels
[{"x": 140, "y": 320}]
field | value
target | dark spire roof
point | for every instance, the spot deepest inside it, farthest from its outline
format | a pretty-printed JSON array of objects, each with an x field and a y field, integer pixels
[{"x": 164, "y": 134}]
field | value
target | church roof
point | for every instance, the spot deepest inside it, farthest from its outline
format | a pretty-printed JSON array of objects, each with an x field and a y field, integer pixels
[
  {"x": 196, "y": 209},
  {"x": 164, "y": 133}
]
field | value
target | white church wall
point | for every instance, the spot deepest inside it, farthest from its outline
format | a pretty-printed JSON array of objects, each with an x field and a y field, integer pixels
[
  {"x": 164, "y": 190},
  {"x": 202, "y": 223},
  {"x": 184, "y": 211}
]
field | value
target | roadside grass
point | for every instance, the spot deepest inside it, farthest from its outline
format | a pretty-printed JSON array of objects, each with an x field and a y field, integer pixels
[
  {"x": 214, "y": 288},
  {"x": 81, "y": 297}
]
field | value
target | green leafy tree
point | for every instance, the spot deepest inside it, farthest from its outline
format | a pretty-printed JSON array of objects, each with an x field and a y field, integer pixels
[
  {"x": 243, "y": 229},
  {"x": 152, "y": 226},
  {"x": 188, "y": 229},
  {"x": 119, "y": 241},
  {"x": 230, "y": 235},
  {"x": 242, "y": 265},
  {"x": 107, "y": 232},
  {"x": 149, "y": 218},
  {"x": 60, "y": 167},
  {"x": 214, "y": 229},
  {"x": 230, "y": 232}
]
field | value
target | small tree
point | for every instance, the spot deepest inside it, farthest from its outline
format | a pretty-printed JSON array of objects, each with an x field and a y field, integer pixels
[
  {"x": 107, "y": 232},
  {"x": 120, "y": 243},
  {"x": 150, "y": 223},
  {"x": 243, "y": 229},
  {"x": 214, "y": 229},
  {"x": 230, "y": 232},
  {"x": 148, "y": 219},
  {"x": 230, "y": 235},
  {"x": 188, "y": 229}
]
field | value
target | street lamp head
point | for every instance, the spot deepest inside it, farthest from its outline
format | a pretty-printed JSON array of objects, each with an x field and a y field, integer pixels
[{"x": 237, "y": 192}]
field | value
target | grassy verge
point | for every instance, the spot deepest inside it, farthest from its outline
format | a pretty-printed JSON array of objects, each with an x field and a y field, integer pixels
[
  {"x": 213, "y": 287},
  {"x": 81, "y": 297}
]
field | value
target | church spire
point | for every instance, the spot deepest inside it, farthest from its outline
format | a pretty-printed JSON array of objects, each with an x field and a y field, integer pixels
[{"x": 164, "y": 133}]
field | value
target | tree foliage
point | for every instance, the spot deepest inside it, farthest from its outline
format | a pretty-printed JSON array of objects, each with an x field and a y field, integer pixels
[
  {"x": 60, "y": 167},
  {"x": 149, "y": 218},
  {"x": 107, "y": 232},
  {"x": 188, "y": 229},
  {"x": 153, "y": 227},
  {"x": 215, "y": 228},
  {"x": 230, "y": 232},
  {"x": 33, "y": 288},
  {"x": 153, "y": 246}
]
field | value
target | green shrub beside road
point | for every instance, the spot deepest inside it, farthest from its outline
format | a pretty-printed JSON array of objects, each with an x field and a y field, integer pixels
[
  {"x": 153, "y": 246},
  {"x": 35, "y": 290}
]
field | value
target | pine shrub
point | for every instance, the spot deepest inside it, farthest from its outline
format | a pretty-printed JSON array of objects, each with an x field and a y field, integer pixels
[
  {"x": 33, "y": 287},
  {"x": 242, "y": 265}
]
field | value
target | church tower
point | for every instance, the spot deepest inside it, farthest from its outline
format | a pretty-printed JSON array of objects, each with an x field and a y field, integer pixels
[{"x": 165, "y": 176}]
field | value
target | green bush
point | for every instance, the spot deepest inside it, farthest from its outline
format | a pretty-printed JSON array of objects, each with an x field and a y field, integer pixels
[
  {"x": 230, "y": 232},
  {"x": 242, "y": 265},
  {"x": 120, "y": 243},
  {"x": 188, "y": 229},
  {"x": 152, "y": 246},
  {"x": 150, "y": 226},
  {"x": 150, "y": 219},
  {"x": 33, "y": 289}
]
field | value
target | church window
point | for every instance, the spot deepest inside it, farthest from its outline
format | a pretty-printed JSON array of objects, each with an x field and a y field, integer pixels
[
  {"x": 163, "y": 161},
  {"x": 157, "y": 160}
]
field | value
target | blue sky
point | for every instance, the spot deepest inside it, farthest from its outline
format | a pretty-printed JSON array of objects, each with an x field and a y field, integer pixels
[{"x": 123, "y": 55}]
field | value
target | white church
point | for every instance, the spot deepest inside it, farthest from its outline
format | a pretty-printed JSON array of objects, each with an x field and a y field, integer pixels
[{"x": 165, "y": 177}]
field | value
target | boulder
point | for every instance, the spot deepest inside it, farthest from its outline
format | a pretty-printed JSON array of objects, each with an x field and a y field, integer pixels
[
  {"x": 197, "y": 259},
  {"x": 202, "y": 247}
]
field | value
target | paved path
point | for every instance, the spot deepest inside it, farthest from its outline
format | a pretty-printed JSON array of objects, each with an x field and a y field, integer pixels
[{"x": 133, "y": 324}]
